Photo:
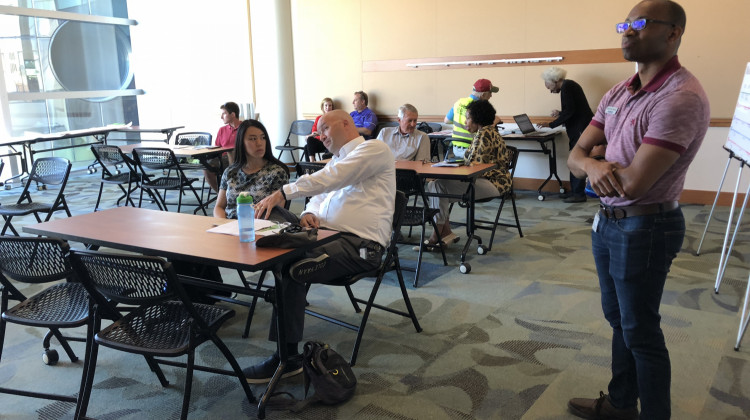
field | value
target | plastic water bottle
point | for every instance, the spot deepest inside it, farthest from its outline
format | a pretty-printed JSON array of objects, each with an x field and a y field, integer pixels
[{"x": 246, "y": 217}]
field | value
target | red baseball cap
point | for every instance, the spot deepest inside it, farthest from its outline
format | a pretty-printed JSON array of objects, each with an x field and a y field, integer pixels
[{"x": 484, "y": 85}]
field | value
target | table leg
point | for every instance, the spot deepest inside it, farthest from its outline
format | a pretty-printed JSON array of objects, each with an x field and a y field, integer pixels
[
  {"x": 280, "y": 343},
  {"x": 552, "y": 159},
  {"x": 464, "y": 267}
]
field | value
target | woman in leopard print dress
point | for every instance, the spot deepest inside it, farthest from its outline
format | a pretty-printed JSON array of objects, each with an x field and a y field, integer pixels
[{"x": 488, "y": 146}]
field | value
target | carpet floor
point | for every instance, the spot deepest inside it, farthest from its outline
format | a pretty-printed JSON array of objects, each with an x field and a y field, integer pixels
[{"x": 514, "y": 339}]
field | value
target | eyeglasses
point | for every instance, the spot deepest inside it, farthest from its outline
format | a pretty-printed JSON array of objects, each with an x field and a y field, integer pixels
[{"x": 638, "y": 24}]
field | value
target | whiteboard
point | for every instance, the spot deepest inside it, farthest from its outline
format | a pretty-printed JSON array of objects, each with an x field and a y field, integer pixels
[{"x": 738, "y": 140}]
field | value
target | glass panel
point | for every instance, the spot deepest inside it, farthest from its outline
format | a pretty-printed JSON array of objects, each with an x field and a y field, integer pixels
[
  {"x": 70, "y": 114},
  {"x": 51, "y": 55}
]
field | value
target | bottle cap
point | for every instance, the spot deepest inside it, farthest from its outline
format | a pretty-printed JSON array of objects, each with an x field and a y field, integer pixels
[{"x": 244, "y": 198}]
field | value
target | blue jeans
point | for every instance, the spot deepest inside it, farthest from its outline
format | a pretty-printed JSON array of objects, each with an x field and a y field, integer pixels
[{"x": 633, "y": 256}]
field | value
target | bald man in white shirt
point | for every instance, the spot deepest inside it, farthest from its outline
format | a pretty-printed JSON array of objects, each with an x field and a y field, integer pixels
[{"x": 353, "y": 194}]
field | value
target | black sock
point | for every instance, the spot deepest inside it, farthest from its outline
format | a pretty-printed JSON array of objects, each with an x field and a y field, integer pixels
[{"x": 292, "y": 349}]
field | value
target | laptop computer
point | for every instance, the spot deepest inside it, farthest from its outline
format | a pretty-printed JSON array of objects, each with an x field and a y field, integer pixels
[{"x": 526, "y": 127}]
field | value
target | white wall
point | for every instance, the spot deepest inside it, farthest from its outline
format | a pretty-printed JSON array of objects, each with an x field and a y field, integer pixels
[{"x": 190, "y": 57}]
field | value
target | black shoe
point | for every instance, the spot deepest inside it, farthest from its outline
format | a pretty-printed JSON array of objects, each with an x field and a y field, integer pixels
[
  {"x": 305, "y": 269},
  {"x": 600, "y": 409},
  {"x": 263, "y": 371},
  {"x": 575, "y": 199}
]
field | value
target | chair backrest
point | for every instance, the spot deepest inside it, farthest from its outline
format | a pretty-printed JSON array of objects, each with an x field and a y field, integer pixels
[
  {"x": 301, "y": 128},
  {"x": 33, "y": 259},
  {"x": 513, "y": 160},
  {"x": 408, "y": 182},
  {"x": 399, "y": 209},
  {"x": 109, "y": 157},
  {"x": 194, "y": 138},
  {"x": 126, "y": 279},
  {"x": 50, "y": 171},
  {"x": 155, "y": 158},
  {"x": 379, "y": 126},
  {"x": 307, "y": 168}
]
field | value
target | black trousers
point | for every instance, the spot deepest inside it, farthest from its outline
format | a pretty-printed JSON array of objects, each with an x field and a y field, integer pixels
[
  {"x": 347, "y": 255},
  {"x": 313, "y": 146}
]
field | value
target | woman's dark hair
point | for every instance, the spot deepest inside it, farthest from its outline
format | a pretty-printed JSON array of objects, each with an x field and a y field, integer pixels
[
  {"x": 482, "y": 112},
  {"x": 240, "y": 158}
]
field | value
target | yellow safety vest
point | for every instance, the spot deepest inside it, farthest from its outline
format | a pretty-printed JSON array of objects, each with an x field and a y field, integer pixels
[{"x": 461, "y": 136}]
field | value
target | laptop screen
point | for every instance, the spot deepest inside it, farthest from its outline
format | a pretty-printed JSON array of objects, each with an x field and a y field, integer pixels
[{"x": 524, "y": 123}]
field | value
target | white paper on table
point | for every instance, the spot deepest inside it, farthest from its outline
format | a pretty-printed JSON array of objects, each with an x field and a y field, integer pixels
[
  {"x": 262, "y": 226},
  {"x": 448, "y": 164}
]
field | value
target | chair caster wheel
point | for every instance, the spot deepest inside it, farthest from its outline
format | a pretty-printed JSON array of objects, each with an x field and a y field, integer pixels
[
  {"x": 41, "y": 187},
  {"x": 50, "y": 357},
  {"x": 464, "y": 268},
  {"x": 90, "y": 171},
  {"x": 540, "y": 197},
  {"x": 8, "y": 186},
  {"x": 117, "y": 172},
  {"x": 562, "y": 190},
  {"x": 481, "y": 249}
]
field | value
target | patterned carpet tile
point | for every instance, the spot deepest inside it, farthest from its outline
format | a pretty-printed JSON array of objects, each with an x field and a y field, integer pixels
[{"x": 514, "y": 339}]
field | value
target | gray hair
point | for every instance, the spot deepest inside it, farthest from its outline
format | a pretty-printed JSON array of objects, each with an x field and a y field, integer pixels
[
  {"x": 403, "y": 109},
  {"x": 554, "y": 74}
]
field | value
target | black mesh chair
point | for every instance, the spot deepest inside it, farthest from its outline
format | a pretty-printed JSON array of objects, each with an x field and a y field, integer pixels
[
  {"x": 307, "y": 168},
  {"x": 195, "y": 138},
  {"x": 298, "y": 128},
  {"x": 492, "y": 225},
  {"x": 61, "y": 305},
  {"x": 45, "y": 171},
  {"x": 408, "y": 182},
  {"x": 116, "y": 170},
  {"x": 163, "y": 160},
  {"x": 164, "y": 322},
  {"x": 390, "y": 262}
]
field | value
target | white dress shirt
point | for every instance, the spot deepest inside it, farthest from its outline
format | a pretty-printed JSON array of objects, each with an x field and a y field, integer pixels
[
  {"x": 354, "y": 192},
  {"x": 414, "y": 146}
]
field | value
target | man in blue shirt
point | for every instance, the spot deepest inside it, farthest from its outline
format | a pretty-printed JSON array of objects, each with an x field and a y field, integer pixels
[{"x": 364, "y": 119}]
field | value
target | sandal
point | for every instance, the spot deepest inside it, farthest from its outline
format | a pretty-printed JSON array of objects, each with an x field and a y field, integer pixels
[
  {"x": 451, "y": 238},
  {"x": 428, "y": 247}
]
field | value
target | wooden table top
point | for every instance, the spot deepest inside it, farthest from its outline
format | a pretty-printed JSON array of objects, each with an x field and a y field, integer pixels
[
  {"x": 166, "y": 234},
  {"x": 179, "y": 150},
  {"x": 426, "y": 169}
]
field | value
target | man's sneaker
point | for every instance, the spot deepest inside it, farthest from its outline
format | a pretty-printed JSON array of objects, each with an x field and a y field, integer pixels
[
  {"x": 305, "y": 269},
  {"x": 263, "y": 371},
  {"x": 600, "y": 409}
]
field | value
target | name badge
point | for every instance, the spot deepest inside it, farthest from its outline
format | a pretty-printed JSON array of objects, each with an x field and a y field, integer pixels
[
  {"x": 595, "y": 225},
  {"x": 611, "y": 110}
]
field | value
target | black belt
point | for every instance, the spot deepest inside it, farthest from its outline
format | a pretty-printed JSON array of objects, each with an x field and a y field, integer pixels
[
  {"x": 371, "y": 245},
  {"x": 374, "y": 246},
  {"x": 614, "y": 212}
]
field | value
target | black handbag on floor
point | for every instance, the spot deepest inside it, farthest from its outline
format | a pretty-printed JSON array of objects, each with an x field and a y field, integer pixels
[{"x": 330, "y": 374}]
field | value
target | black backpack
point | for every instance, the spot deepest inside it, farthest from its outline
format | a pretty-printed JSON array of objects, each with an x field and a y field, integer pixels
[
  {"x": 330, "y": 374},
  {"x": 424, "y": 127}
]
